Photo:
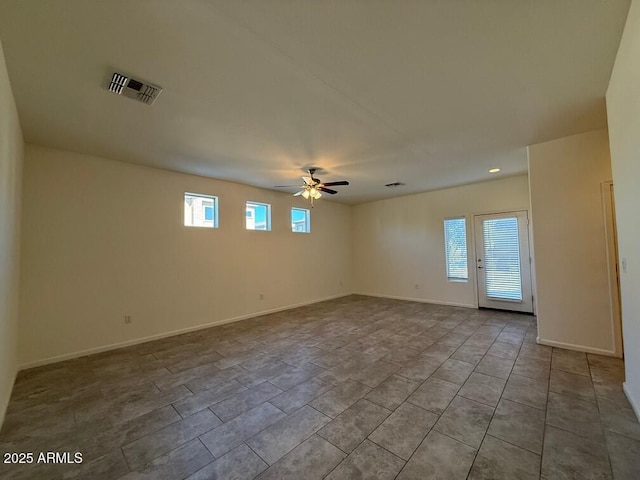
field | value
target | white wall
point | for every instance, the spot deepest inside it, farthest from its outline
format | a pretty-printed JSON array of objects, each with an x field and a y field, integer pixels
[
  {"x": 399, "y": 243},
  {"x": 103, "y": 239},
  {"x": 11, "y": 156},
  {"x": 566, "y": 175},
  {"x": 623, "y": 106}
]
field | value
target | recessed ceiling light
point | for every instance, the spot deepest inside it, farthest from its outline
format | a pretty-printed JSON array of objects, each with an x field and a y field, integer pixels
[{"x": 494, "y": 170}]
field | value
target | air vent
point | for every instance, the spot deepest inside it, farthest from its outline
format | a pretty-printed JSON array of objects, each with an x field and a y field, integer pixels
[
  {"x": 395, "y": 184},
  {"x": 137, "y": 89}
]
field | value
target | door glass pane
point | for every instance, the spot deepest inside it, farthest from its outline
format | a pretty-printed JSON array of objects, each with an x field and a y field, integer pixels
[{"x": 502, "y": 259}]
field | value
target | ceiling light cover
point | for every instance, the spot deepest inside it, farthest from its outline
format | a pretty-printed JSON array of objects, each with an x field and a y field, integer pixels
[{"x": 494, "y": 170}]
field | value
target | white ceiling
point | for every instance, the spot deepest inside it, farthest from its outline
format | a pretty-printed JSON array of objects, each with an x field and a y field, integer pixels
[{"x": 431, "y": 93}]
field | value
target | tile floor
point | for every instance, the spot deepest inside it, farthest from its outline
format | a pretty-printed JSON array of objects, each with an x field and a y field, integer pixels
[{"x": 352, "y": 388}]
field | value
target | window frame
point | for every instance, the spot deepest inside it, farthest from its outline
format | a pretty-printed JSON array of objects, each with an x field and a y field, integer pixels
[
  {"x": 268, "y": 216},
  {"x": 215, "y": 207},
  {"x": 447, "y": 259},
  {"x": 307, "y": 220}
]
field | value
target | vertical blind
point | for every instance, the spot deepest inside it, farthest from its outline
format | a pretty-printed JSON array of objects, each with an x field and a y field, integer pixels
[
  {"x": 455, "y": 240},
  {"x": 502, "y": 258}
]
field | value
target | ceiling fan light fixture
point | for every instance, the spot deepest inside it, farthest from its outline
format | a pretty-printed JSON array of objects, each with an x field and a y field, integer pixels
[
  {"x": 311, "y": 193},
  {"x": 312, "y": 188}
]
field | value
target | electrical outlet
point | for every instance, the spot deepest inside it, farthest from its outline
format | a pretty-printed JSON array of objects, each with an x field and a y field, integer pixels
[
  {"x": 262, "y": 296},
  {"x": 417, "y": 286},
  {"x": 127, "y": 319},
  {"x": 624, "y": 264}
]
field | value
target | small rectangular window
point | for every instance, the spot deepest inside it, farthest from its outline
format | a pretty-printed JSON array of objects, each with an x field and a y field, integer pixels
[
  {"x": 200, "y": 210},
  {"x": 455, "y": 241},
  {"x": 258, "y": 216},
  {"x": 300, "y": 220}
]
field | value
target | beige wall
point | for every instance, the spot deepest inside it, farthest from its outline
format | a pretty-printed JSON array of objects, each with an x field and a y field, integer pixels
[
  {"x": 11, "y": 154},
  {"x": 399, "y": 243},
  {"x": 566, "y": 175},
  {"x": 623, "y": 106},
  {"x": 103, "y": 239}
]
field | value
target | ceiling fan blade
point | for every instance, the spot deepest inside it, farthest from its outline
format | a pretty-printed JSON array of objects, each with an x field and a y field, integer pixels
[
  {"x": 297, "y": 194},
  {"x": 286, "y": 186},
  {"x": 331, "y": 184},
  {"x": 327, "y": 190}
]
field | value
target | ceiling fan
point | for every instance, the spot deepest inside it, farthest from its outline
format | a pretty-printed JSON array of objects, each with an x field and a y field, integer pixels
[{"x": 312, "y": 187}]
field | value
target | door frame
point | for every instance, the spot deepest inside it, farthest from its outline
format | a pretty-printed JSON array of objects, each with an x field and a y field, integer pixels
[
  {"x": 611, "y": 244},
  {"x": 472, "y": 263}
]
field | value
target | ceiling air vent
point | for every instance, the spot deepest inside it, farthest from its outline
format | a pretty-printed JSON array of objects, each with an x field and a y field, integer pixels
[
  {"x": 395, "y": 184},
  {"x": 130, "y": 87}
]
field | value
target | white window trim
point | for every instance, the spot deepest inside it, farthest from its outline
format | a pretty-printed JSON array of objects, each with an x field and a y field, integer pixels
[
  {"x": 214, "y": 199},
  {"x": 307, "y": 220},
  {"x": 268, "y": 220}
]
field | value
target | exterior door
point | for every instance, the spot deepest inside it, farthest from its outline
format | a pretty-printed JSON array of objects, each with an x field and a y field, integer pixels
[{"x": 503, "y": 261}]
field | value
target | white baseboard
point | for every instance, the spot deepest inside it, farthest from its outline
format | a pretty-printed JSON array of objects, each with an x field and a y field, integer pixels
[
  {"x": 579, "y": 348},
  {"x": 421, "y": 300},
  {"x": 635, "y": 402},
  {"x": 128, "y": 343}
]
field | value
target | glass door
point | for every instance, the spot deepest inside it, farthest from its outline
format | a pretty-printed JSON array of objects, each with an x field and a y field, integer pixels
[{"x": 503, "y": 261}]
